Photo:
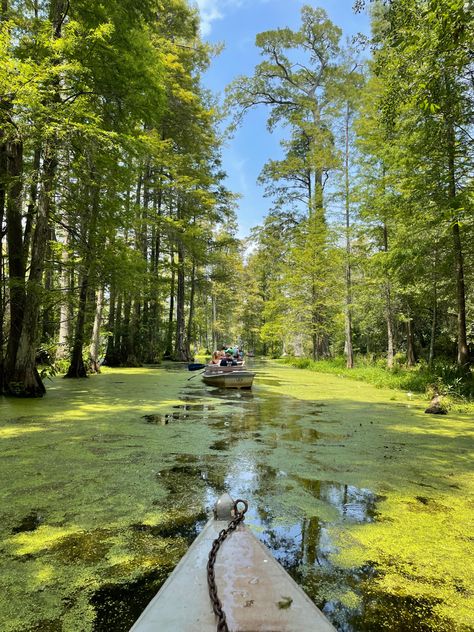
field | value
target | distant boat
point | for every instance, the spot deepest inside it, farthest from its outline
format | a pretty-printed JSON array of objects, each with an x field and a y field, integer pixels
[
  {"x": 228, "y": 376},
  {"x": 255, "y": 592}
]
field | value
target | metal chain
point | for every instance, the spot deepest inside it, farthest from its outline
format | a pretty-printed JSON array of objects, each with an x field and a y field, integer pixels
[{"x": 211, "y": 578}]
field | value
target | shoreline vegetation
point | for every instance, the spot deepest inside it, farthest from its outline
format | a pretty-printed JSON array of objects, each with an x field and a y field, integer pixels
[{"x": 443, "y": 378}]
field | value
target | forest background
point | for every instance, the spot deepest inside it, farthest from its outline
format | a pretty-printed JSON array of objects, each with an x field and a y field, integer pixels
[{"x": 119, "y": 237}]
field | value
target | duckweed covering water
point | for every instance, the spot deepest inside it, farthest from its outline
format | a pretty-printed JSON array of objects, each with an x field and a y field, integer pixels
[{"x": 359, "y": 494}]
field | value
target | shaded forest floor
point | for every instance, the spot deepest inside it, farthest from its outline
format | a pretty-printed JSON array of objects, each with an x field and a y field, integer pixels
[{"x": 363, "y": 497}]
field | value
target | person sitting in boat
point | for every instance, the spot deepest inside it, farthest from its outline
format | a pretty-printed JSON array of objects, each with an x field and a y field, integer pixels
[
  {"x": 216, "y": 358},
  {"x": 228, "y": 360},
  {"x": 238, "y": 354}
]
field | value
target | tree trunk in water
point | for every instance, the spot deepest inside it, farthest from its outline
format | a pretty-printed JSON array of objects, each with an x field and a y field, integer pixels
[
  {"x": 191, "y": 313},
  {"x": 95, "y": 344},
  {"x": 153, "y": 351},
  {"x": 16, "y": 254},
  {"x": 23, "y": 379},
  {"x": 180, "y": 353},
  {"x": 77, "y": 367},
  {"x": 169, "y": 337},
  {"x": 348, "y": 312}
]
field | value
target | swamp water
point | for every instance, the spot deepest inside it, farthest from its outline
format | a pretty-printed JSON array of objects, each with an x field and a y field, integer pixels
[{"x": 362, "y": 497}]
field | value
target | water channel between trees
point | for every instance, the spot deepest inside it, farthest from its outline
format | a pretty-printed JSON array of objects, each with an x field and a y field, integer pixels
[{"x": 361, "y": 496}]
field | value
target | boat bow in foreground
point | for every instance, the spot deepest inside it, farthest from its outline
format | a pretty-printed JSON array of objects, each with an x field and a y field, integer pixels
[{"x": 256, "y": 593}]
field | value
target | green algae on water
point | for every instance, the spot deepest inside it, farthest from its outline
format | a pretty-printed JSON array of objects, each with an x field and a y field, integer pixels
[{"x": 363, "y": 498}]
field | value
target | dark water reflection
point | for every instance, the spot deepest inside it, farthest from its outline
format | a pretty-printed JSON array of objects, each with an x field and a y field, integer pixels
[{"x": 250, "y": 426}]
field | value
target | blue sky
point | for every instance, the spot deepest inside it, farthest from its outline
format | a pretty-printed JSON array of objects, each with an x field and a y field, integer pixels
[{"x": 235, "y": 24}]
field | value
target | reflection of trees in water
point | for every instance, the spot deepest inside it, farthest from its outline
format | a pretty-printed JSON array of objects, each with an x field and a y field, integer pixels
[{"x": 354, "y": 504}]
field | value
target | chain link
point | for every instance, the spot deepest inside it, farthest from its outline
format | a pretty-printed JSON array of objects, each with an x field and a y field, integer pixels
[{"x": 211, "y": 578}]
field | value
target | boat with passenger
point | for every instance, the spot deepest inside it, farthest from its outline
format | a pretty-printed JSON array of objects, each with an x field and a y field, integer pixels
[
  {"x": 228, "y": 580},
  {"x": 236, "y": 376}
]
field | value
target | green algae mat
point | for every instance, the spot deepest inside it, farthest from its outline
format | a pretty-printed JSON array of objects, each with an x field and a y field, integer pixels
[{"x": 364, "y": 499}]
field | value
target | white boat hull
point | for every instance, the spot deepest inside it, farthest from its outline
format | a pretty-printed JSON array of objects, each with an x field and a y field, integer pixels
[
  {"x": 228, "y": 377},
  {"x": 257, "y": 594}
]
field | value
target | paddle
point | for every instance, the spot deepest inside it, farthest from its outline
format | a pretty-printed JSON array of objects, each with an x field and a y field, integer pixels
[
  {"x": 190, "y": 378},
  {"x": 196, "y": 367}
]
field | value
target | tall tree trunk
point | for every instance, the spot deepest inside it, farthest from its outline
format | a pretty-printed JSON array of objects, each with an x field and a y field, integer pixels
[
  {"x": 112, "y": 357},
  {"x": 133, "y": 348},
  {"x": 169, "y": 337},
  {"x": 64, "y": 308},
  {"x": 3, "y": 174},
  {"x": 348, "y": 312},
  {"x": 16, "y": 253},
  {"x": 411, "y": 357},
  {"x": 463, "y": 350},
  {"x": 3, "y": 277},
  {"x": 77, "y": 367},
  {"x": 314, "y": 323},
  {"x": 31, "y": 210},
  {"x": 180, "y": 353},
  {"x": 191, "y": 313},
  {"x": 95, "y": 344},
  {"x": 134, "y": 353},
  {"x": 125, "y": 329},
  {"x": 110, "y": 353},
  {"x": 154, "y": 304},
  {"x": 214, "y": 321},
  {"x": 48, "y": 327},
  {"x": 388, "y": 309},
  {"x": 22, "y": 378},
  {"x": 433, "y": 326}
]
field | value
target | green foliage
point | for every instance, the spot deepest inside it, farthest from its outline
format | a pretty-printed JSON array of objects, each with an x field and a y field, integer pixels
[{"x": 444, "y": 377}]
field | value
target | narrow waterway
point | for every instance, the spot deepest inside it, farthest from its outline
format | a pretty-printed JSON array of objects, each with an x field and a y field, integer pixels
[{"x": 349, "y": 486}]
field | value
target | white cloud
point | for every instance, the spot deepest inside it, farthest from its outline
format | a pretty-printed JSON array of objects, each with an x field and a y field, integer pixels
[{"x": 212, "y": 10}]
